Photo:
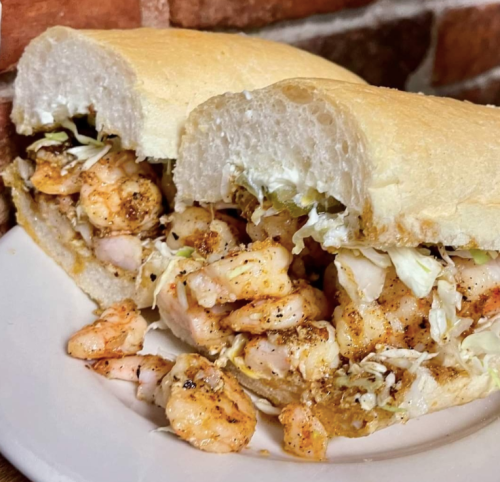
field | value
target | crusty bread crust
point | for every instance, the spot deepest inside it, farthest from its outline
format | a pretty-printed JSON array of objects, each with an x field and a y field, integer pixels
[
  {"x": 410, "y": 168},
  {"x": 104, "y": 283},
  {"x": 143, "y": 83}
]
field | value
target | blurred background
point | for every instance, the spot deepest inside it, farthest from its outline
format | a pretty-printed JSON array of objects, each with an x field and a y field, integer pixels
[{"x": 443, "y": 47}]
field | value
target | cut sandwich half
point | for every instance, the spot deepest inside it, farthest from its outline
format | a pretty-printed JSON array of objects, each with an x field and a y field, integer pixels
[
  {"x": 100, "y": 103},
  {"x": 364, "y": 290}
]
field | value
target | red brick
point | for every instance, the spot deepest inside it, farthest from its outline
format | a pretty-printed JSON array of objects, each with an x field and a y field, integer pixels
[
  {"x": 250, "y": 13},
  {"x": 155, "y": 13},
  {"x": 25, "y": 19},
  {"x": 467, "y": 44},
  {"x": 385, "y": 54}
]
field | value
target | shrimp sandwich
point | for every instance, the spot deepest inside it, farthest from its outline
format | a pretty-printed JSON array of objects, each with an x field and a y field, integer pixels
[
  {"x": 107, "y": 109},
  {"x": 362, "y": 286}
]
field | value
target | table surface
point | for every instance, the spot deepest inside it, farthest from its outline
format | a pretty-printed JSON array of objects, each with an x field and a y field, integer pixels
[{"x": 9, "y": 473}]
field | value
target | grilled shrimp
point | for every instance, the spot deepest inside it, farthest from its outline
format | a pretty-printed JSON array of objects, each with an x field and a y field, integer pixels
[
  {"x": 146, "y": 370},
  {"x": 49, "y": 179},
  {"x": 124, "y": 251},
  {"x": 119, "y": 194},
  {"x": 304, "y": 435},
  {"x": 480, "y": 285},
  {"x": 310, "y": 348},
  {"x": 397, "y": 318},
  {"x": 119, "y": 331},
  {"x": 207, "y": 407},
  {"x": 258, "y": 272},
  {"x": 184, "y": 227},
  {"x": 187, "y": 320},
  {"x": 280, "y": 228},
  {"x": 304, "y": 303},
  {"x": 213, "y": 236}
]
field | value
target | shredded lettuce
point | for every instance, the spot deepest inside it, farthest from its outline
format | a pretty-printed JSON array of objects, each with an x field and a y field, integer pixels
[
  {"x": 57, "y": 136},
  {"x": 43, "y": 142},
  {"x": 482, "y": 343},
  {"x": 327, "y": 229},
  {"x": 405, "y": 358},
  {"x": 479, "y": 256},
  {"x": 443, "y": 313},
  {"x": 94, "y": 159},
  {"x": 82, "y": 153},
  {"x": 172, "y": 257},
  {"x": 71, "y": 126},
  {"x": 50, "y": 139},
  {"x": 185, "y": 252},
  {"x": 361, "y": 278},
  {"x": 381, "y": 260},
  {"x": 415, "y": 270},
  {"x": 494, "y": 376}
]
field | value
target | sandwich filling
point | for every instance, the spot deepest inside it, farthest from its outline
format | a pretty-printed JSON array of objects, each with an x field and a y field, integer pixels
[
  {"x": 363, "y": 337},
  {"x": 102, "y": 200}
]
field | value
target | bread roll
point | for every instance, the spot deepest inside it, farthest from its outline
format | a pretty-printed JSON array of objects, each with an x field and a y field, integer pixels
[
  {"x": 143, "y": 83},
  {"x": 409, "y": 168}
]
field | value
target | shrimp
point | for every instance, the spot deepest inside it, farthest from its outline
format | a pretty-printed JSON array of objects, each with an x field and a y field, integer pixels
[
  {"x": 49, "y": 179},
  {"x": 213, "y": 236},
  {"x": 279, "y": 228},
  {"x": 119, "y": 331},
  {"x": 480, "y": 285},
  {"x": 256, "y": 273},
  {"x": 304, "y": 434},
  {"x": 311, "y": 349},
  {"x": 146, "y": 370},
  {"x": 207, "y": 407},
  {"x": 120, "y": 195},
  {"x": 124, "y": 251},
  {"x": 397, "y": 318},
  {"x": 185, "y": 226},
  {"x": 304, "y": 303},
  {"x": 187, "y": 320}
]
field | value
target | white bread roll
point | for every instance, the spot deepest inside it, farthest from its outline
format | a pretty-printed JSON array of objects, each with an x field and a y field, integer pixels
[
  {"x": 143, "y": 83},
  {"x": 410, "y": 168}
]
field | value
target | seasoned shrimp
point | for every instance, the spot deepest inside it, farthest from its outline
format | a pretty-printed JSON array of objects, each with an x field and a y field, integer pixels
[
  {"x": 304, "y": 435},
  {"x": 311, "y": 349},
  {"x": 119, "y": 194},
  {"x": 146, "y": 370},
  {"x": 304, "y": 303},
  {"x": 207, "y": 407},
  {"x": 49, "y": 179},
  {"x": 185, "y": 226},
  {"x": 480, "y": 285},
  {"x": 119, "y": 331},
  {"x": 280, "y": 228},
  {"x": 187, "y": 320},
  {"x": 256, "y": 273},
  {"x": 124, "y": 251},
  {"x": 213, "y": 236},
  {"x": 397, "y": 318}
]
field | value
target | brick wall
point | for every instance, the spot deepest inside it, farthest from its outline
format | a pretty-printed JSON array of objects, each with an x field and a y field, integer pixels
[{"x": 442, "y": 47}]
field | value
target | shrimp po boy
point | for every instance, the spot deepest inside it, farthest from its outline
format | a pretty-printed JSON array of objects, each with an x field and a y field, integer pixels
[
  {"x": 107, "y": 108},
  {"x": 350, "y": 274}
]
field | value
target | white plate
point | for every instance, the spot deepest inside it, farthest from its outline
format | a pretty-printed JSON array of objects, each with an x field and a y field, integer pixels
[{"x": 61, "y": 422}]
